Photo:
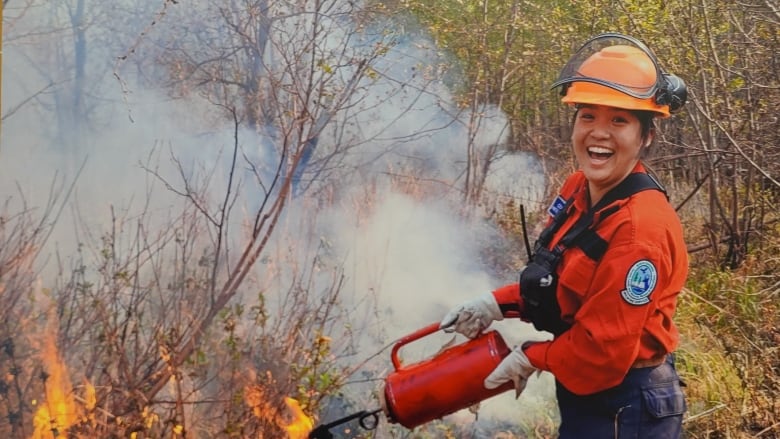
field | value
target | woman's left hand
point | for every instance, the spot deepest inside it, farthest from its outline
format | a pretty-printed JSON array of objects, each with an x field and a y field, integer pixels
[{"x": 515, "y": 367}]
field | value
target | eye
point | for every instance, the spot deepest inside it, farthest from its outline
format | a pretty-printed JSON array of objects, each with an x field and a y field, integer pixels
[
  {"x": 619, "y": 120},
  {"x": 586, "y": 115}
]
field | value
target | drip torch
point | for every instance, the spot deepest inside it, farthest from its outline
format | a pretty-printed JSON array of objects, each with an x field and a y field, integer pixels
[{"x": 432, "y": 388}]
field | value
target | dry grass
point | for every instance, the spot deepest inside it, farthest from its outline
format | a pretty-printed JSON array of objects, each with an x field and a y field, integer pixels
[{"x": 729, "y": 356}]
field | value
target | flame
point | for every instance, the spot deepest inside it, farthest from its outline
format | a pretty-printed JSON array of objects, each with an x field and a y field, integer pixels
[
  {"x": 298, "y": 428},
  {"x": 301, "y": 425},
  {"x": 58, "y": 411}
]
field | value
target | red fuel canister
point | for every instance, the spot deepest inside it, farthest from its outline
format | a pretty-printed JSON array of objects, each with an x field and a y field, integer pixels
[{"x": 451, "y": 380}]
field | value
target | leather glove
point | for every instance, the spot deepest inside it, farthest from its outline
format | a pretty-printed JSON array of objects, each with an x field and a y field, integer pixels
[
  {"x": 472, "y": 317},
  {"x": 515, "y": 367}
]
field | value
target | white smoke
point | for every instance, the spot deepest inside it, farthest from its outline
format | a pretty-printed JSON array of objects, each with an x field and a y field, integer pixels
[{"x": 407, "y": 257}]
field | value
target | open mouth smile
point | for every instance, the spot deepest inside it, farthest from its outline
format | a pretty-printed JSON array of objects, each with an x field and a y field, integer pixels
[{"x": 599, "y": 153}]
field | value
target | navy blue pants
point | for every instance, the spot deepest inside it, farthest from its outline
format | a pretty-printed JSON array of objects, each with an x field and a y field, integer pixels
[{"x": 649, "y": 403}]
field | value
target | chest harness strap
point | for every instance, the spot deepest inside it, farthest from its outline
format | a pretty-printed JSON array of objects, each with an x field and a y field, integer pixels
[{"x": 539, "y": 280}]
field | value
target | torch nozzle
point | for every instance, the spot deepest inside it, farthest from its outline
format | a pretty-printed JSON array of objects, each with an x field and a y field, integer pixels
[{"x": 367, "y": 419}]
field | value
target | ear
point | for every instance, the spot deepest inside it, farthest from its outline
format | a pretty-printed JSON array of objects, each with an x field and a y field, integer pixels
[{"x": 649, "y": 138}]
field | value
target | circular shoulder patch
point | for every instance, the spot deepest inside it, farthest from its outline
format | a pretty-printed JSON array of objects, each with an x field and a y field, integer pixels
[{"x": 640, "y": 282}]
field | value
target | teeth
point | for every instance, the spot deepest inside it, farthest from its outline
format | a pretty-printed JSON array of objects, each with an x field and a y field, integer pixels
[{"x": 599, "y": 150}]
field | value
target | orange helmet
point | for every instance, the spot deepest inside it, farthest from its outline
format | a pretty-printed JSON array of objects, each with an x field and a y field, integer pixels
[{"x": 619, "y": 71}]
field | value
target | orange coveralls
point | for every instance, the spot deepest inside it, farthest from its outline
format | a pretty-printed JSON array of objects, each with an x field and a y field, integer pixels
[{"x": 609, "y": 333}]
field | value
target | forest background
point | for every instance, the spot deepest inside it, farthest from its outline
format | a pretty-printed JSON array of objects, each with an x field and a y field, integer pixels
[{"x": 210, "y": 206}]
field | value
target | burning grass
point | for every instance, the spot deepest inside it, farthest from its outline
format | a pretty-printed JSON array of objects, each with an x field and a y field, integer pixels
[
  {"x": 301, "y": 425},
  {"x": 60, "y": 411},
  {"x": 292, "y": 420},
  {"x": 57, "y": 411}
]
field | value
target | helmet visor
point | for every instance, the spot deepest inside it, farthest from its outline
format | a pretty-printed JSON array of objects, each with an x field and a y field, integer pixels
[{"x": 616, "y": 61}]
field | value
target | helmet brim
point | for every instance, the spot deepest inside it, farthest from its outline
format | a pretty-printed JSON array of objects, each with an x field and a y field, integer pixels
[{"x": 597, "y": 94}]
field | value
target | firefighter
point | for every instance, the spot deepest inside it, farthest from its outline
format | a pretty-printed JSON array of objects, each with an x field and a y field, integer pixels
[{"x": 605, "y": 272}]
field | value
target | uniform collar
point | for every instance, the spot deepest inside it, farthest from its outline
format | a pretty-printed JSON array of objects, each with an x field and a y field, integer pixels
[{"x": 581, "y": 197}]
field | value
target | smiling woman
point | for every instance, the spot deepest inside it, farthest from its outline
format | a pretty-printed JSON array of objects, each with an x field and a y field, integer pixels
[
  {"x": 618, "y": 88},
  {"x": 607, "y": 143},
  {"x": 607, "y": 268}
]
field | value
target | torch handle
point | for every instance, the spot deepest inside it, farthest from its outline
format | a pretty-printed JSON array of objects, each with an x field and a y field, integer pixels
[{"x": 420, "y": 333}]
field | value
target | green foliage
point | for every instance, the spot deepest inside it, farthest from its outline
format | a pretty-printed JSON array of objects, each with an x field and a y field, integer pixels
[
  {"x": 314, "y": 375},
  {"x": 504, "y": 47}
]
